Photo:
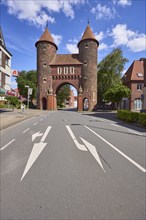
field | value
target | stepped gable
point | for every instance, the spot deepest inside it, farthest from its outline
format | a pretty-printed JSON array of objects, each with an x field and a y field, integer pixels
[
  {"x": 66, "y": 59},
  {"x": 46, "y": 37},
  {"x": 88, "y": 35}
]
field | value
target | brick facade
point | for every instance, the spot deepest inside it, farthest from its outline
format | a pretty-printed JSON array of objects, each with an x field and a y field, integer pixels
[{"x": 79, "y": 70}]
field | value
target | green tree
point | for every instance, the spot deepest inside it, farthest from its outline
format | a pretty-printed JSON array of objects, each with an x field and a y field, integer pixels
[
  {"x": 116, "y": 93},
  {"x": 110, "y": 71},
  {"x": 62, "y": 95},
  {"x": 30, "y": 79},
  {"x": 13, "y": 100}
]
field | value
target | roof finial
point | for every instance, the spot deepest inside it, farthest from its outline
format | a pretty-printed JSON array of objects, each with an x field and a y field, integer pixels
[
  {"x": 88, "y": 21},
  {"x": 46, "y": 24}
]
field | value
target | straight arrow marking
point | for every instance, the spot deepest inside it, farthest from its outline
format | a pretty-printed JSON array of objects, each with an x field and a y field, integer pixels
[
  {"x": 78, "y": 145},
  {"x": 36, "y": 151},
  {"x": 93, "y": 151}
]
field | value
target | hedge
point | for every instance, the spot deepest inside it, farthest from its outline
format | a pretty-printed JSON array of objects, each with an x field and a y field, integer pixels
[{"x": 129, "y": 116}]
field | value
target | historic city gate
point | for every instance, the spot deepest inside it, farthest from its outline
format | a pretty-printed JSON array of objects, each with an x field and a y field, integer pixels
[{"x": 78, "y": 70}]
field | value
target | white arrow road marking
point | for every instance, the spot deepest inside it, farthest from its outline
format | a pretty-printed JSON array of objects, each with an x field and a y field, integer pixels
[
  {"x": 116, "y": 149},
  {"x": 36, "y": 151},
  {"x": 93, "y": 151},
  {"x": 78, "y": 145},
  {"x": 36, "y": 135}
]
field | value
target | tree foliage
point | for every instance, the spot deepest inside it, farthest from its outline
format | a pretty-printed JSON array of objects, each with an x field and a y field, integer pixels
[
  {"x": 13, "y": 100},
  {"x": 116, "y": 93},
  {"x": 62, "y": 95},
  {"x": 30, "y": 79},
  {"x": 109, "y": 72}
]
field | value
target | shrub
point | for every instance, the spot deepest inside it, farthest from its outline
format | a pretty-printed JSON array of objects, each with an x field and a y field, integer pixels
[{"x": 129, "y": 116}]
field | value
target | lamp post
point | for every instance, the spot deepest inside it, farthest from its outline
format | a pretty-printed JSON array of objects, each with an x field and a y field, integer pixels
[{"x": 27, "y": 97}]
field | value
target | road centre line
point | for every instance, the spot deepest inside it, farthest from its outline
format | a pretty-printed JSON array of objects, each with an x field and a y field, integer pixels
[
  {"x": 25, "y": 130},
  {"x": 35, "y": 123},
  {"x": 116, "y": 149},
  {"x": 5, "y": 146}
]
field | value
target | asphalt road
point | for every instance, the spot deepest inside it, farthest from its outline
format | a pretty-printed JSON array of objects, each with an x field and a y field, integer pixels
[{"x": 70, "y": 165}]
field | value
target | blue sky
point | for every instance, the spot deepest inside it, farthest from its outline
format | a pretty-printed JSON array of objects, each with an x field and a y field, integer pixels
[{"x": 115, "y": 23}]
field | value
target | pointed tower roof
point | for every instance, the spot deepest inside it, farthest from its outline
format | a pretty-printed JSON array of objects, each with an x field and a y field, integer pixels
[
  {"x": 46, "y": 37},
  {"x": 88, "y": 35}
]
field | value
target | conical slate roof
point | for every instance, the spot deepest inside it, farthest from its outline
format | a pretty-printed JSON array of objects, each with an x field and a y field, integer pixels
[
  {"x": 88, "y": 35},
  {"x": 46, "y": 37}
]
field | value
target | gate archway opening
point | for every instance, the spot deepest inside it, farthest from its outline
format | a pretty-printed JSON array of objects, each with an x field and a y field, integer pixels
[
  {"x": 66, "y": 97},
  {"x": 44, "y": 103},
  {"x": 86, "y": 104}
]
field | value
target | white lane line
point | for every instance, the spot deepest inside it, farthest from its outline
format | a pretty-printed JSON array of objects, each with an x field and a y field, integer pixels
[
  {"x": 41, "y": 119},
  {"x": 116, "y": 149},
  {"x": 35, "y": 123},
  {"x": 78, "y": 145},
  {"x": 5, "y": 146},
  {"x": 25, "y": 130},
  {"x": 115, "y": 125},
  {"x": 135, "y": 132}
]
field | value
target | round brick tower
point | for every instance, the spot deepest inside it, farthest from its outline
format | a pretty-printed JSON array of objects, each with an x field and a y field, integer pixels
[
  {"x": 88, "y": 47},
  {"x": 46, "y": 51}
]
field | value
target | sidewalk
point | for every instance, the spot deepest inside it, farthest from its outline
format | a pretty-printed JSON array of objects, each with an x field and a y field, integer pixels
[{"x": 8, "y": 117}]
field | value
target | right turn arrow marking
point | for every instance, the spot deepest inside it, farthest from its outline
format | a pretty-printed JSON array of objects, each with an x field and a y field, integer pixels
[{"x": 93, "y": 151}]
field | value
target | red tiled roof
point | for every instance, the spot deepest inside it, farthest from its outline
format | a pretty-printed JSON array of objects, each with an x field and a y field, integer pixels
[
  {"x": 135, "y": 72},
  {"x": 66, "y": 59},
  {"x": 46, "y": 36},
  {"x": 88, "y": 34}
]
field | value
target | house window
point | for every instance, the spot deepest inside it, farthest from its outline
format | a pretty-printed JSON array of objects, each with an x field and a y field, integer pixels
[
  {"x": 137, "y": 104},
  {"x": 71, "y": 70},
  {"x": 139, "y": 86},
  {"x": 44, "y": 47},
  {"x": 139, "y": 74},
  {"x": 65, "y": 70},
  {"x": 0, "y": 58},
  {"x": 86, "y": 45},
  {"x": 85, "y": 63},
  {"x": 59, "y": 70}
]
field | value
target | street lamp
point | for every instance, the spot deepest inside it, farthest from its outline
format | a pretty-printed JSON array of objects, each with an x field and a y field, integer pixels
[{"x": 27, "y": 97}]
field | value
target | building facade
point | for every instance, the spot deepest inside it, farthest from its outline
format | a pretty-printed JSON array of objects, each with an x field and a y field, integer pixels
[
  {"x": 55, "y": 70},
  {"x": 5, "y": 66},
  {"x": 134, "y": 80},
  {"x": 144, "y": 89}
]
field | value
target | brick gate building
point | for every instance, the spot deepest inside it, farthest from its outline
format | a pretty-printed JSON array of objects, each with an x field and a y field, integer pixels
[{"x": 55, "y": 70}]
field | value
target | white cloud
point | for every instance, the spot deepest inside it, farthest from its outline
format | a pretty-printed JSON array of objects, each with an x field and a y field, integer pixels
[
  {"x": 99, "y": 36},
  {"x": 72, "y": 48},
  {"x": 38, "y": 12},
  {"x": 102, "y": 46},
  {"x": 57, "y": 39},
  {"x": 103, "y": 12},
  {"x": 122, "y": 2},
  {"x": 136, "y": 42}
]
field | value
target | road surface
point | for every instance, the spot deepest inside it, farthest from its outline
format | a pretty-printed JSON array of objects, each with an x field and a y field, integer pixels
[{"x": 70, "y": 165}]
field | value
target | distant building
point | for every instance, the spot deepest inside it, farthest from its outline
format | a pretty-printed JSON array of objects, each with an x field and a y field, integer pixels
[
  {"x": 144, "y": 89},
  {"x": 5, "y": 66},
  {"x": 134, "y": 80}
]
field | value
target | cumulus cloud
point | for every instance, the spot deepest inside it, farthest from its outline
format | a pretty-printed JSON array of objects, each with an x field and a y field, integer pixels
[
  {"x": 57, "y": 39},
  {"x": 122, "y": 2},
  {"x": 103, "y": 12},
  {"x": 72, "y": 48},
  {"x": 121, "y": 35},
  {"x": 38, "y": 12},
  {"x": 102, "y": 46}
]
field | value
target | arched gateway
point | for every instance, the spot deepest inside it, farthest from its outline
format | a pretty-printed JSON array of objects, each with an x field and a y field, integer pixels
[{"x": 78, "y": 70}]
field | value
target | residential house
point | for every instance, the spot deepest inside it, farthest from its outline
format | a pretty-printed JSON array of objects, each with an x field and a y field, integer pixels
[
  {"x": 134, "y": 80},
  {"x": 5, "y": 67}
]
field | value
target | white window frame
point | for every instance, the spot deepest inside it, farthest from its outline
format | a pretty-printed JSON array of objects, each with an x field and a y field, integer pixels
[
  {"x": 65, "y": 70},
  {"x": 59, "y": 70},
  {"x": 72, "y": 70}
]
